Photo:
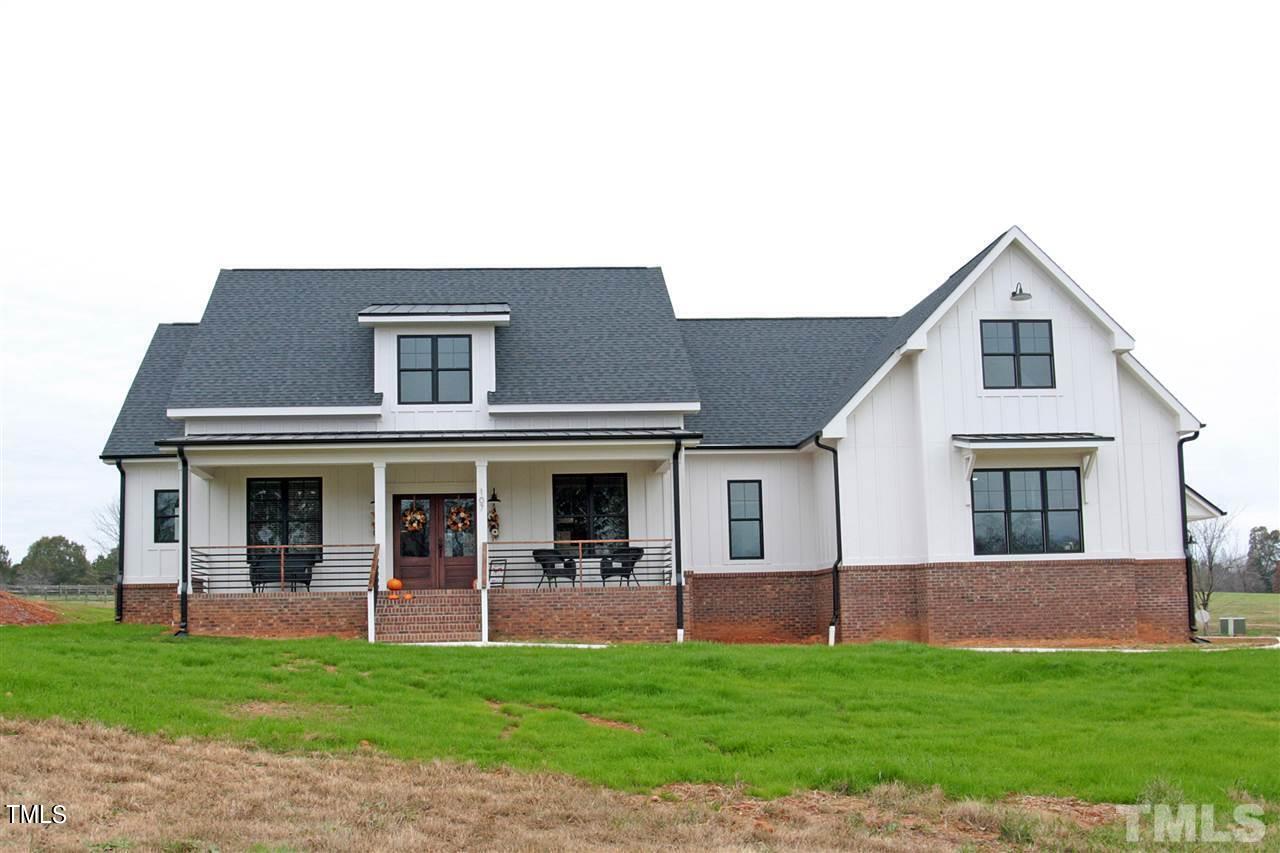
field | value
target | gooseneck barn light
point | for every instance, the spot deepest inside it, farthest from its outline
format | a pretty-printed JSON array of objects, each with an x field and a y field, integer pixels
[{"x": 1019, "y": 295}]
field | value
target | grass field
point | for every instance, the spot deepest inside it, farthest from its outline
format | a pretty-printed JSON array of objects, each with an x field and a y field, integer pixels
[
  {"x": 1260, "y": 609},
  {"x": 82, "y": 612},
  {"x": 1103, "y": 727}
]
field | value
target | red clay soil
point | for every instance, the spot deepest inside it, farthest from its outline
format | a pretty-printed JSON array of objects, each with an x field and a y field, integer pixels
[{"x": 22, "y": 611}]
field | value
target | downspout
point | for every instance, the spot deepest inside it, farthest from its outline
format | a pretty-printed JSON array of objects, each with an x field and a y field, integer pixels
[
  {"x": 120, "y": 550},
  {"x": 835, "y": 567},
  {"x": 1186, "y": 533},
  {"x": 185, "y": 580},
  {"x": 675, "y": 511}
]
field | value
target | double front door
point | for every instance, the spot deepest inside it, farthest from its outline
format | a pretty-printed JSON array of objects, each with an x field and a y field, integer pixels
[{"x": 435, "y": 541}]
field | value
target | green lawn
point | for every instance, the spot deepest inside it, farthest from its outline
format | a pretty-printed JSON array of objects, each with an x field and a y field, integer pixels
[
  {"x": 1260, "y": 609},
  {"x": 1098, "y": 726},
  {"x": 82, "y": 611}
]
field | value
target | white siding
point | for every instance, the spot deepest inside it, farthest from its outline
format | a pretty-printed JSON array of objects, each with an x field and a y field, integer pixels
[
  {"x": 908, "y": 498},
  {"x": 145, "y": 560},
  {"x": 525, "y": 492},
  {"x": 881, "y": 485},
  {"x": 1150, "y": 453},
  {"x": 797, "y": 519}
]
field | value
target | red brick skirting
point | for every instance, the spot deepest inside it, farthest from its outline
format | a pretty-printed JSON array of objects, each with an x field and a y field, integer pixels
[
  {"x": 998, "y": 603},
  {"x": 277, "y": 614},
  {"x": 758, "y": 607},
  {"x": 150, "y": 603},
  {"x": 1048, "y": 601},
  {"x": 645, "y": 614}
]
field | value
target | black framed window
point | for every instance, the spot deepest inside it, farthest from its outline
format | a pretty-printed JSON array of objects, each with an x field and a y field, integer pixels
[
  {"x": 590, "y": 506},
  {"x": 1027, "y": 511},
  {"x": 284, "y": 511},
  {"x": 1017, "y": 354},
  {"x": 433, "y": 368},
  {"x": 165, "y": 505},
  {"x": 746, "y": 520}
]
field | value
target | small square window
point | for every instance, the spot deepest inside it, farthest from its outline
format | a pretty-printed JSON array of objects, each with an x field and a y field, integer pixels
[
  {"x": 1017, "y": 354},
  {"x": 433, "y": 369}
]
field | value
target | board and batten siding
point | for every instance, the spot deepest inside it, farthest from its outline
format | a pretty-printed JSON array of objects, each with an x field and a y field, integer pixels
[
  {"x": 525, "y": 492},
  {"x": 147, "y": 561},
  {"x": 796, "y": 494},
  {"x": 908, "y": 499}
]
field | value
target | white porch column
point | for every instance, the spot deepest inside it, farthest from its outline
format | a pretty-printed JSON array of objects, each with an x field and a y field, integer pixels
[
  {"x": 481, "y": 523},
  {"x": 385, "y": 556},
  {"x": 482, "y": 514}
]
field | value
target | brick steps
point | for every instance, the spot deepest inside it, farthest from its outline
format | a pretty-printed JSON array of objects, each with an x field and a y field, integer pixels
[{"x": 433, "y": 616}]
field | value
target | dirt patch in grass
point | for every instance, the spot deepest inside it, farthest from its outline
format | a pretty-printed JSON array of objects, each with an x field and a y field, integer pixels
[
  {"x": 513, "y": 720},
  {"x": 612, "y": 724},
  {"x": 148, "y": 792},
  {"x": 24, "y": 611}
]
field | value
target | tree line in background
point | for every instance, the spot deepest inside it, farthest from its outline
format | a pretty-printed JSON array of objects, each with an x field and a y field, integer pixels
[
  {"x": 58, "y": 560},
  {"x": 1220, "y": 566}
]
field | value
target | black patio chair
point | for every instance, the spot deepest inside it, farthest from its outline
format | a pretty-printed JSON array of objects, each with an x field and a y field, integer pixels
[
  {"x": 264, "y": 567},
  {"x": 621, "y": 564},
  {"x": 555, "y": 566},
  {"x": 299, "y": 566}
]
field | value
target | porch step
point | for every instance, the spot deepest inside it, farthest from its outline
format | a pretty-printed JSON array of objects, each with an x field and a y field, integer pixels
[{"x": 433, "y": 616}]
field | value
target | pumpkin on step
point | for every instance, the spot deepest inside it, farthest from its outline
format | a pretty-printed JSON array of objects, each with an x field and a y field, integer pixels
[{"x": 395, "y": 584}]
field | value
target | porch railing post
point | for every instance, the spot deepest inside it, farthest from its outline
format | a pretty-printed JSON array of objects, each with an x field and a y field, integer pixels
[
  {"x": 582, "y": 572},
  {"x": 281, "y": 547}
]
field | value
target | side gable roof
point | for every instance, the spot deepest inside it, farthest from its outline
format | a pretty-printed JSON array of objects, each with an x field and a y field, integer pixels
[
  {"x": 577, "y": 335},
  {"x": 768, "y": 382},
  {"x": 142, "y": 417}
]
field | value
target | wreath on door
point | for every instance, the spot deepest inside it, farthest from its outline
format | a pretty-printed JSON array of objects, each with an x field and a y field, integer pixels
[
  {"x": 459, "y": 519},
  {"x": 413, "y": 520}
]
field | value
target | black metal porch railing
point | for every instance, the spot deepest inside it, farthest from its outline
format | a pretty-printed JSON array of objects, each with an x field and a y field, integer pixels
[
  {"x": 578, "y": 562},
  {"x": 282, "y": 568}
]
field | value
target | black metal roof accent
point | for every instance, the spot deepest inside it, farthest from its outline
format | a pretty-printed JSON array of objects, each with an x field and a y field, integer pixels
[
  {"x": 431, "y": 436},
  {"x": 445, "y": 309},
  {"x": 1031, "y": 437}
]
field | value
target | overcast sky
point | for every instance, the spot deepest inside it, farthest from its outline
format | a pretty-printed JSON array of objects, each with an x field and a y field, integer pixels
[{"x": 787, "y": 160}]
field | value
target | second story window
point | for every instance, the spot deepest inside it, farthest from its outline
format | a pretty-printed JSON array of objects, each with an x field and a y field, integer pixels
[
  {"x": 434, "y": 368},
  {"x": 1017, "y": 354}
]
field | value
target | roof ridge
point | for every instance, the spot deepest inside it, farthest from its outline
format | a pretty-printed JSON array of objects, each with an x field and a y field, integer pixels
[
  {"x": 436, "y": 269},
  {"x": 796, "y": 317}
]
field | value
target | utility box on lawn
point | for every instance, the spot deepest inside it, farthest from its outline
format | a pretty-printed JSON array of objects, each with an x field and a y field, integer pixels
[{"x": 1231, "y": 626}]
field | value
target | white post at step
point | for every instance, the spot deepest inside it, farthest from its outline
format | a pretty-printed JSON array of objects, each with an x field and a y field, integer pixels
[
  {"x": 481, "y": 523},
  {"x": 380, "y": 523}
]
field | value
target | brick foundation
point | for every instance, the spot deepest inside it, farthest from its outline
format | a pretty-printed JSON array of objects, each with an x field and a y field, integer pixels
[
  {"x": 1042, "y": 601},
  {"x": 758, "y": 607},
  {"x": 432, "y": 616},
  {"x": 645, "y": 614},
  {"x": 277, "y": 614},
  {"x": 150, "y": 603},
  {"x": 999, "y": 603}
]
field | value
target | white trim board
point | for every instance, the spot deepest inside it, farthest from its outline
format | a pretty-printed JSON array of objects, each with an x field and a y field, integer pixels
[
  {"x": 690, "y": 407},
  {"x": 277, "y": 411}
]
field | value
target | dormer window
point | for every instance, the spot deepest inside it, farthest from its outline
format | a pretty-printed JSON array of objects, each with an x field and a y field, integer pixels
[
  {"x": 434, "y": 368},
  {"x": 1017, "y": 354}
]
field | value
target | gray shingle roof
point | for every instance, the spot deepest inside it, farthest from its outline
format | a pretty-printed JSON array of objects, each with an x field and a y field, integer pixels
[
  {"x": 577, "y": 335},
  {"x": 141, "y": 421},
  {"x": 770, "y": 382},
  {"x": 776, "y": 382},
  {"x": 290, "y": 337}
]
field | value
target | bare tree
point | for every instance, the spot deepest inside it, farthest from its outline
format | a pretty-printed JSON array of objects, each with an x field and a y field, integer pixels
[
  {"x": 106, "y": 527},
  {"x": 1213, "y": 555}
]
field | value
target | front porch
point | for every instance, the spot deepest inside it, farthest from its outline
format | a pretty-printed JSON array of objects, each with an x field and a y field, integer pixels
[{"x": 549, "y": 543}]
